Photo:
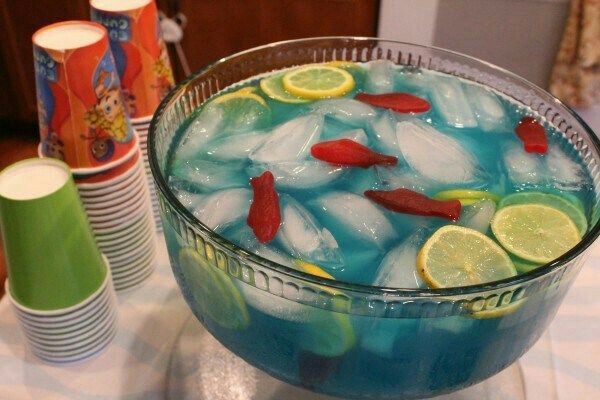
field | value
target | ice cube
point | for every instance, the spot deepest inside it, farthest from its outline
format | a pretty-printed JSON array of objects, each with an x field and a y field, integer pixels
[
  {"x": 189, "y": 199},
  {"x": 202, "y": 129},
  {"x": 359, "y": 216},
  {"x": 290, "y": 141},
  {"x": 490, "y": 113},
  {"x": 274, "y": 305},
  {"x": 478, "y": 215},
  {"x": 299, "y": 174},
  {"x": 302, "y": 236},
  {"x": 384, "y": 129},
  {"x": 347, "y": 111},
  {"x": 562, "y": 169},
  {"x": 222, "y": 208},
  {"x": 244, "y": 114},
  {"x": 202, "y": 175},
  {"x": 235, "y": 147},
  {"x": 380, "y": 77},
  {"x": 395, "y": 178},
  {"x": 522, "y": 167},
  {"x": 358, "y": 135},
  {"x": 398, "y": 268},
  {"x": 451, "y": 103},
  {"x": 435, "y": 155}
]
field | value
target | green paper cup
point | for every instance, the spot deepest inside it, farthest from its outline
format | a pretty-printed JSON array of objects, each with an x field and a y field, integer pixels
[{"x": 52, "y": 257}]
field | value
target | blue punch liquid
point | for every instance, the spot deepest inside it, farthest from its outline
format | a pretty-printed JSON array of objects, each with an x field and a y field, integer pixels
[{"x": 378, "y": 357}]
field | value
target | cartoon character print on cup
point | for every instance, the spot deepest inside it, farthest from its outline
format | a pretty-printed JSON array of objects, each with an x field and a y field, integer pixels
[{"x": 106, "y": 119}]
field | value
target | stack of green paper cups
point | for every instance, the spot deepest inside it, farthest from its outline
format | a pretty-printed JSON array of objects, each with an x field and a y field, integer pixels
[{"x": 58, "y": 281}]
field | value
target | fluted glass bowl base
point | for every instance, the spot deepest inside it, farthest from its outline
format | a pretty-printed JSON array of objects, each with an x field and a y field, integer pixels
[{"x": 202, "y": 369}]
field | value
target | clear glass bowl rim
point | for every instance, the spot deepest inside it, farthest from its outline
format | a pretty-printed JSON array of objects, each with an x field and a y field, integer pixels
[{"x": 517, "y": 280}]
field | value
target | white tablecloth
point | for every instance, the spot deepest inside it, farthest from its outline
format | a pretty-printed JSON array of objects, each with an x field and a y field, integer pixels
[{"x": 564, "y": 364}]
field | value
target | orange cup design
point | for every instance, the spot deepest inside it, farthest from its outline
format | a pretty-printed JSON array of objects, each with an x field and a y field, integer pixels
[
  {"x": 139, "y": 51},
  {"x": 81, "y": 110}
]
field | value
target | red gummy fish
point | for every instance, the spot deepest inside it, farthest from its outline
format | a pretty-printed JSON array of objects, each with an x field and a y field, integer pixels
[
  {"x": 350, "y": 153},
  {"x": 408, "y": 202},
  {"x": 265, "y": 216},
  {"x": 399, "y": 102},
  {"x": 533, "y": 135}
]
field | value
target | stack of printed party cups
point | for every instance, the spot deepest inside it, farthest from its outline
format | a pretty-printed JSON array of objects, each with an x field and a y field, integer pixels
[
  {"x": 142, "y": 62},
  {"x": 58, "y": 281},
  {"x": 83, "y": 122}
]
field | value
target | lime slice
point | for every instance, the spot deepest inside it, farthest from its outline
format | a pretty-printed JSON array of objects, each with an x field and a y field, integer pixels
[
  {"x": 328, "y": 333},
  {"x": 272, "y": 86},
  {"x": 318, "y": 81},
  {"x": 535, "y": 232},
  {"x": 573, "y": 210},
  {"x": 243, "y": 109},
  {"x": 213, "y": 290},
  {"x": 466, "y": 196},
  {"x": 458, "y": 256},
  {"x": 524, "y": 266}
]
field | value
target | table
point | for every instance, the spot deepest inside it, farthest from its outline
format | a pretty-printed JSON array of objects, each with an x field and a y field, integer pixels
[{"x": 563, "y": 365}]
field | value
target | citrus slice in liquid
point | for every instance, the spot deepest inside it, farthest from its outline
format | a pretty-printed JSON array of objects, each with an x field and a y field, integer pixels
[
  {"x": 213, "y": 290},
  {"x": 328, "y": 333},
  {"x": 574, "y": 211},
  {"x": 535, "y": 232},
  {"x": 466, "y": 196},
  {"x": 272, "y": 86},
  {"x": 457, "y": 256},
  {"x": 318, "y": 81}
]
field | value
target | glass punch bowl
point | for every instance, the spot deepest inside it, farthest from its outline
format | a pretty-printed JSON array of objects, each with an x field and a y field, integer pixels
[{"x": 350, "y": 340}]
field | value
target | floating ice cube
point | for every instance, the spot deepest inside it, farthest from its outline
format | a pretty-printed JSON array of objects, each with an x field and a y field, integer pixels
[
  {"x": 384, "y": 129},
  {"x": 359, "y": 216},
  {"x": 395, "y": 178},
  {"x": 478, "y": 215},
  {"x": 433, "y": 154},
  {"x": 202, "y": 129},
  {"x": 290, "y": 141},
  {"x": 235, "y": 147},
  {"x": 244, "y": 114},
  {"x": 274, "y": 305},
  {"x": 563, "y": 169},
  {"x": 202, "y": 175},
  {"x": 348, "y": 111},
  {"x": 488, "y": 109},
  {"x": 299, "y": 174},
  {"x": 302, "y": 236},
  {"x": 189, "y": 199},
  {"x": 357, "y": 135},
  {"x": 398, "y": 268},
  {"x": 522, "y": 167},
  {"x": 451, "y": 103},
  {"x": 223, "y": 208},
  {"x": 380, "y": 77}
]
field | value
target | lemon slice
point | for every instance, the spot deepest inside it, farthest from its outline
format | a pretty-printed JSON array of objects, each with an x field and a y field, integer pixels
[
  {"x": 535, "y": 232},
  {"x": 272, "y": 86},
  {"x": 318, "y": 81},
  {"x": 328, "y": 333},
  {"x": 574, "y": 211},
  {"x": 458, "y": 256},
  {"x": 466, "y": 196},
  {"x": 498, "y": 312},
  {"x": 213, "y": 291},
  {"x": 243, "y": 109},
  {"x": 342, "y": 64}
]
